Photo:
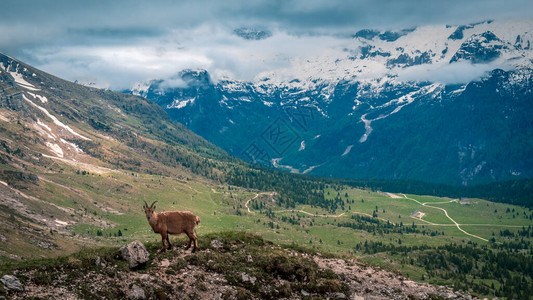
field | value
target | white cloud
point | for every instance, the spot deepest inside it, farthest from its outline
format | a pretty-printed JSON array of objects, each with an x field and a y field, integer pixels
[
  {"x": 98, "y": 42},
  {"x": 172, "y": 83},
  {"x": 454, "y": 73},
  {"x": 215, "y": 49}
]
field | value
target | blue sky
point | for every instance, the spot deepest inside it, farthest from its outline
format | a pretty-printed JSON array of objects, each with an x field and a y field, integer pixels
[{"x": 116, "y": 43}]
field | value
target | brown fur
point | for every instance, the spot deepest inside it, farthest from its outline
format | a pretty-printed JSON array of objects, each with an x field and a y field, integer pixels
[{"x": 172, "y": 222}]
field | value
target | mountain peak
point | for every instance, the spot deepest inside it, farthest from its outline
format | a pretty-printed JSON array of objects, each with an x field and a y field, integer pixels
[
  {"x": 198, "y": 77},
  {"x": 480, "y": 48}
]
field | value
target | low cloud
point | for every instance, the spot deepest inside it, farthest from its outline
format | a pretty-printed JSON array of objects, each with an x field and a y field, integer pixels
[
  {"x": 173, "y": 83},
  {"x": 157, "y": 39},
  {"x": 454, "y": 73},
  {"x": 216, "y": 50}
]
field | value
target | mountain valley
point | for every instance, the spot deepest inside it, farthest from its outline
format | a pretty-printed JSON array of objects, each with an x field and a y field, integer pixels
[
  {"x": 372, "y": 111},
  {"x": 76, "y": 164}
]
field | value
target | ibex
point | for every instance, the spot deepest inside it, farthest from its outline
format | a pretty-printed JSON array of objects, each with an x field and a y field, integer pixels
[{"x": 172, "y": 222}]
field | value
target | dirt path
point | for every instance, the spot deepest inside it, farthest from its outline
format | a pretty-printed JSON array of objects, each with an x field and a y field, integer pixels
[
  {"x": 310, "y": 214},
  {"x": 255, "y": 197},
  {"x": 288, "y": 210},
  {"x": 446, "y": 213}
]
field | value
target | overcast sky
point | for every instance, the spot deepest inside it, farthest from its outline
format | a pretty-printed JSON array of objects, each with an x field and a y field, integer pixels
[{"x": 116, "y": 43}]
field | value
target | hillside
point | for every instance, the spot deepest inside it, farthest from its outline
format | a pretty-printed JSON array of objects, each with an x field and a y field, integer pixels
[
  {"x": 229, "y": 266},
  {"x": 394, "y": 105},
  {"x": 66, "y": 149},
  {"x": 77, "y": 163}
]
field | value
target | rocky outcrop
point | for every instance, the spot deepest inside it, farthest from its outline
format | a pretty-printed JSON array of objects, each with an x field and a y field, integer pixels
[
  {"x": 137, "y": 293},
  {"x": 135, "y": 254},
  {"x": 218, "y": 273},
  {"x": 11, "y": 282}
]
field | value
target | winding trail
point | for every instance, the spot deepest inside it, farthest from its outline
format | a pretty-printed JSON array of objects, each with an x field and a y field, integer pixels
[
  {"x": 446, "y": 213},
  {"x": 255, "y": 197},
  {"x": 390, "y": 195},
  {"x": 310, "y": 214}
]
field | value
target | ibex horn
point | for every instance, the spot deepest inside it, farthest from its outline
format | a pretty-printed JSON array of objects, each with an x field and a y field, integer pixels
[
  {"x": 145, "y": 204},
  {"x": 153, "y": 204}
]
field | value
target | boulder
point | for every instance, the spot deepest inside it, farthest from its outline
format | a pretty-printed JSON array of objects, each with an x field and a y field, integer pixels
[
  {"x": 137, "y": 292},
  {"x": 11, "y": 282},
  {"x": 135, "y": 254},
  {"x": 145, "y": 277},
  {"x": 164, "y": 263},
  {"x": 248, "y": 278}
]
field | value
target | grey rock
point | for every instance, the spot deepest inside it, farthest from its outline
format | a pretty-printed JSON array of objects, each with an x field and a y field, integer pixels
[
  {"x": 356, "y": 297},
  {"x": 216, "y": 244},
  {"x": 44, "y": 245},
  {"x": 145, "y": 277},
  {"x": 250, "y": 259},
  {"x": 137, "y": 292},
  {"x": 164, "y": 263},
  {"x": 248, "y": 278},
  {"x": 135, "y": 254},
  {"x": 98, "y": 261},
  {"x": 339, "y": 296},
  {"x": 305, "y": 293},
  {"x": 11, "y": 282},
  {"x": 2, "y": 238}
]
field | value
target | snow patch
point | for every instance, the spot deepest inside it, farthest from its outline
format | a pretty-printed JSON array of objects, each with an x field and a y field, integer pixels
[
  {"x": 181, "y": 103},
  {"x": 141, "y": 88},
  {"x": 348, "y": 149},
  {"x": 401, "y": 102},
  {"x": 56, "y": 149},
  {"x": 302, "y": 146},
  {"x": 19, "y": 79},
  {"x": 244, "y": 99},
  {"x": 368, "y": 128},
  {"x": 42, "y": 98},
  {"x": 56, "y": 121},
  {"x": 311, "y": 169},
  {"x": 44, "y": 125},
  {"x": 44, "y": 130},
  {"x": 275, "y": 163},
  {"x": 72, "y": 145}
]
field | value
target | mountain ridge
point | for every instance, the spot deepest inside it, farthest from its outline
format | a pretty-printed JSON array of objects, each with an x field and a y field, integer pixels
[{"x": 343, "y": 116}]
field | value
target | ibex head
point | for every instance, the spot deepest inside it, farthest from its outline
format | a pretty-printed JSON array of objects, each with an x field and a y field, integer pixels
[{"x": 149, "y": 210}]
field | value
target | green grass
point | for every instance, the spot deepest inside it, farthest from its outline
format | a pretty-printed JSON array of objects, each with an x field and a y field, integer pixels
[{"x": 223, "y": 209}]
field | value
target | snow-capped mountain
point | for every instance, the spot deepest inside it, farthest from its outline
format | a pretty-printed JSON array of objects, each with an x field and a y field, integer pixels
[{"x": 448, "y": 104}]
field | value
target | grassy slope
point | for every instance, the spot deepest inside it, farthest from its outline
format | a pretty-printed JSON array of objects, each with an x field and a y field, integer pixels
[{"x": 138, "y": 156}]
